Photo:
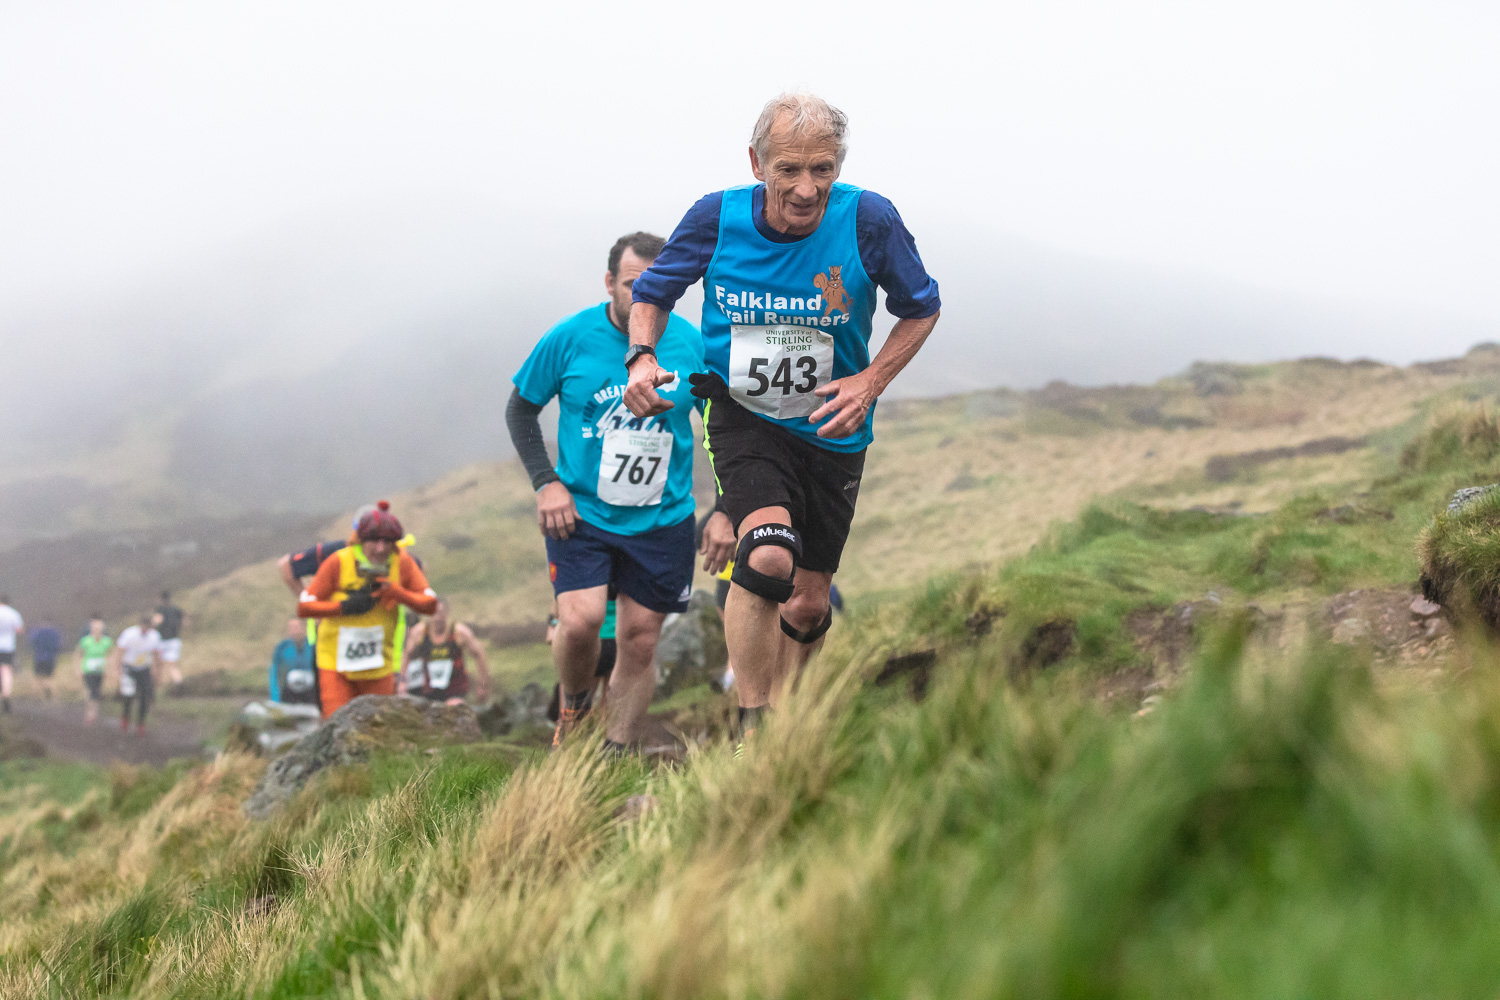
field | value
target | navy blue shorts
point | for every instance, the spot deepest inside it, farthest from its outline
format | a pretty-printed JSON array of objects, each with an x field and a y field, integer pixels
[{"x": 655, "y": 569}]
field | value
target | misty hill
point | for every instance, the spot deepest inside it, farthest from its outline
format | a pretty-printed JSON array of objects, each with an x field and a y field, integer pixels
[
  {"x": 955, "y": 482},
  {"x": 358, "y": 356}
]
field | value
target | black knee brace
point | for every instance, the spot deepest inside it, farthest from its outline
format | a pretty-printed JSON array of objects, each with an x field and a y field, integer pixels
[
  {"x": 772, "y": 588},
  {"x": 811, "y": 635}
]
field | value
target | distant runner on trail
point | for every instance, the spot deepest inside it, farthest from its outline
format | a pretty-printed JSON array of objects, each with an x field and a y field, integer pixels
[
  {"x": 293, "y": 680},
  {"x": 91, "y": 657},
  {"x": 296, "y": 568},
  {"x": 137, "y": 659},
  {"x": 11, "y": 625},
  {"x": 789, "y": 267},
  {"x": 358, "y": 593},
  {"x": 618, "y": 508},
  {"x": 46, "y": 642},
  {"x": 436, "y": 662},
  {"x": 168, "y": 621}
]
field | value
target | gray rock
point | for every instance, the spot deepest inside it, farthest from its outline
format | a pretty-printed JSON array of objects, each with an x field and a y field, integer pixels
[
  {"x": 1468, "y": 495},
  {"x": 368, "y": 723},
  {"x": 510, "y": 712},
  {"x": 691, "y": 650},
  {"x": 1423, "y": 608}
]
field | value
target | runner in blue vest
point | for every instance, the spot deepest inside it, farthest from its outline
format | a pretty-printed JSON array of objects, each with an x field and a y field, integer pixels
[
  {"x": 789, "y": 268},
  {"x": 618, "y": 507}
]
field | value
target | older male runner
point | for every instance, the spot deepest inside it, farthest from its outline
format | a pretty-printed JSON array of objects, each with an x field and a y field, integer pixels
[
  {"x": 789, "y": 268},
  {"x": 618, "y": 508}
]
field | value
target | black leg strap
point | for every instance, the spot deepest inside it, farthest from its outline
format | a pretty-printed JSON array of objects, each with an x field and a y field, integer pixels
[{"x": 811, "y": 635}]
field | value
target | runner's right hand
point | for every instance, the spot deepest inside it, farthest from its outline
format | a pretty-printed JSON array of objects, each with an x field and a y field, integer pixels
[
  {"x": 641, "y": 397},
  {"x": 555, "y": 513},
  {"x": 357, "y": 603}
]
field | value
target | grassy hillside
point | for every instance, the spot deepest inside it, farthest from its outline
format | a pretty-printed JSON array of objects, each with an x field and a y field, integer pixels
[
  {"x": 965, "y": 481},
  {"x": 1267, "y": 815}
]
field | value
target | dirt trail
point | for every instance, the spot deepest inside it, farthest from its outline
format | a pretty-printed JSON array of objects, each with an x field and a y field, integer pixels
[{"x": 59, "y": 727}]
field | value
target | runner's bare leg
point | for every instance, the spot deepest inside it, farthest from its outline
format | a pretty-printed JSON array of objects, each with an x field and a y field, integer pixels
[
  {"x": 634, "y": 680},
  {"x": 575, "y": 648},
  {"x": 752, "y": 626},
  {"x": 806, "y": 610}
]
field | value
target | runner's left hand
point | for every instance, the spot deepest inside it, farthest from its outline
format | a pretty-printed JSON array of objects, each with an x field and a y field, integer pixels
[
  {"x": 849, "y": 400},
  {"x": 641, "y": 397},
  {"x": 718, "y": 542}
]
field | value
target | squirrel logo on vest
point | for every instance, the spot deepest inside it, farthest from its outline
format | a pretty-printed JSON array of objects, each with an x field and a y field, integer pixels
[{"x": 832, "y": 287}]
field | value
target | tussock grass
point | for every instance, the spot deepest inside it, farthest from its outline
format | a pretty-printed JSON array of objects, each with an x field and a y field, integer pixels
[
  {"x": 1460, "y": 550},
  {"x": 1276, "y": 828},
  {"x": 1282, "y": 823}
]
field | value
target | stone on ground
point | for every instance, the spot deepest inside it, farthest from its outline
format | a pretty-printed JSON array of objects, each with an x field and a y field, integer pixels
[{"x": 368, "y": 723}]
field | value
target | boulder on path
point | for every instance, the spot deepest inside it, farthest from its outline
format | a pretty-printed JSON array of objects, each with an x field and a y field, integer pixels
[
  {"x": 691, "y": 649},
  {"x": 368, "y": 723},
  {"x": 511, "y": 712}
]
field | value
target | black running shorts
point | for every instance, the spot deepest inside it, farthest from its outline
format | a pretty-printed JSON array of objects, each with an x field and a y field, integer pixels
[
  {"x": 43, "y": 668},
  {"x": 759, "y": 464}
]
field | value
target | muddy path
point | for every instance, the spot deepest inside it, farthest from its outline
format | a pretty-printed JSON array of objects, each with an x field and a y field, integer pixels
[{"x": 58, "y": 726}]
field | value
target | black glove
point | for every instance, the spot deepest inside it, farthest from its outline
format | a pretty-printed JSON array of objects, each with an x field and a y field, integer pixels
[
  {"x": 357, "y": 603},
  {"x": 707, "y": 385}
]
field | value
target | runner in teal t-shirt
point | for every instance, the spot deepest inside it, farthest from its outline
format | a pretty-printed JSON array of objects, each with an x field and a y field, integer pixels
[
  {"x": 93, "y": 653},
  {"x": 627, "y": 475},
  {"x": 617, "y": 509}
]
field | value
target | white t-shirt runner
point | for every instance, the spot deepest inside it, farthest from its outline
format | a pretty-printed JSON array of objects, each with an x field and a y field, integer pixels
[
  {"x": 10, "y": 624},
  {"x": 137, "y": 646}
]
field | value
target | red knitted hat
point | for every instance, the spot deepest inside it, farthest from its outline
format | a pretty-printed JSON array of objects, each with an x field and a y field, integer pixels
[{"x": 380, "y": 523}]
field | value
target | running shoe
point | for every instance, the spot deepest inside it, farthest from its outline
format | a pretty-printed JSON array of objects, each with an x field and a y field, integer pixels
[{"x": 567, "y": 721}]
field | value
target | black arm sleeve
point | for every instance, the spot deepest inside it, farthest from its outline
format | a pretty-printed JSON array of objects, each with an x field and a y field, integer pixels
[{"x": 521, "y": 419}]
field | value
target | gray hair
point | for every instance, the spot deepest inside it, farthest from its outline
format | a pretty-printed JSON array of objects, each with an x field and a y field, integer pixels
[{"x": 807, "y": 115}]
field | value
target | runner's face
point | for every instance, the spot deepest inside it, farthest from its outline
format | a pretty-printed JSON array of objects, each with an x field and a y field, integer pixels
[
  {"x": 96, "y": 628},
  {"x": 378, "y": 550},
  {"x": 798, "y": 173},
  {"x": 619, "y": 285},
  {"x": 440, "y": 619},
  {"x": 295, "y": 629}
]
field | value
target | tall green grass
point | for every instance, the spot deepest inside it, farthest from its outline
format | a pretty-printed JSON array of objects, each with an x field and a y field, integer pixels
[{"x": 1282, "y": 824}]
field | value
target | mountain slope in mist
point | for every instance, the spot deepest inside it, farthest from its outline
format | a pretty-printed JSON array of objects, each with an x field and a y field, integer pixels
[{"x": 368, "y": 356}]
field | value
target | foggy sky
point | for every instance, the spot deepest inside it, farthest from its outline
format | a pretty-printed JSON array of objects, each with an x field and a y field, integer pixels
[{"x": 1337, "y": 155}]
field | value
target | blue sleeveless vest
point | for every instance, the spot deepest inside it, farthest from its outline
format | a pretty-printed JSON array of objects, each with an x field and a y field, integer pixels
[{"x": 781, "y": 318}]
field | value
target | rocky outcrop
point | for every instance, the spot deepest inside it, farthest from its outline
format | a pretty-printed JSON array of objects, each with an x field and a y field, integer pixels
[
  {"x": 691, "y": 650},
  {"x": 510, "y": 713},
  {"x": 1468, "y": 495},
  {"x": 349, "y": 736}
]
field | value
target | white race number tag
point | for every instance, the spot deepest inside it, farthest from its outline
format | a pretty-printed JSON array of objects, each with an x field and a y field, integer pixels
[
  {"x": 773, "y": 370},
  {"x": 300, "y": 681},
  {"x": 127, "y": 684},
  {"x": 415, "y": 674},
  {"x": 439, "y": 673},
  {"x": 633, "y": 467},
  {"x": 360, "y": 648}
]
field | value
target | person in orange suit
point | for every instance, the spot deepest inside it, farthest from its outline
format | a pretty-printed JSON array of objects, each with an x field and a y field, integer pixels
[{"x": 356, "y": 595}]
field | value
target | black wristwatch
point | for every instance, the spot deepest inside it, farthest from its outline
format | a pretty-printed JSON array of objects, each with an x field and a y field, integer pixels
[{"x": 636, "y": 350}]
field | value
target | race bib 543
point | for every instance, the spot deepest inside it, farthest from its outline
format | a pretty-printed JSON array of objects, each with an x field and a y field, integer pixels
[{"x": 773, "y": 370}]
